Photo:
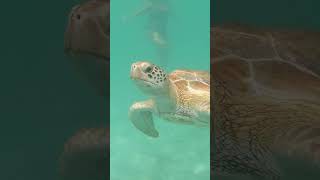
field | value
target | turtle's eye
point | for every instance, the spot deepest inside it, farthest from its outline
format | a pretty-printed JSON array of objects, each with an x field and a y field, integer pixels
[{"x": 148, "y": 69}]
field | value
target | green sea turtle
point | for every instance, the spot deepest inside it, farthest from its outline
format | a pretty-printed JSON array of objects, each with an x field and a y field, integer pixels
[
  {"x": 182, "y": 96},
  {"x": 265, "y": 99}
]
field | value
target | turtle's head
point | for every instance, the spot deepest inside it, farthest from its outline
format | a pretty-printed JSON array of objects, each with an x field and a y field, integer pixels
[{"x": 150, "y": 78}]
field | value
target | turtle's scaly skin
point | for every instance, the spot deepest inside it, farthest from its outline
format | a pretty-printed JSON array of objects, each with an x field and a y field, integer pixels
[{"x": 265, "y": 99}]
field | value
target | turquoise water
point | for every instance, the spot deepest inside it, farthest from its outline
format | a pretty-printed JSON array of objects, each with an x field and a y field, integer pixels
[{"x": 181, "y": 152}]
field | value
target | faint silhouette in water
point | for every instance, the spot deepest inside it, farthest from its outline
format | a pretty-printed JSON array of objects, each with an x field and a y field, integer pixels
[
  {"x": 265, "y": 100},
  {"x": 86, "y": 154},
  {"x": 157, "y": 12}
]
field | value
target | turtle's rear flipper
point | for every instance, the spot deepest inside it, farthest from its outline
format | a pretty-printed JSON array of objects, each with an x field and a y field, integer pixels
[
  {"x": 86, "y": 156},
  {"x": 140, "y": 115}
]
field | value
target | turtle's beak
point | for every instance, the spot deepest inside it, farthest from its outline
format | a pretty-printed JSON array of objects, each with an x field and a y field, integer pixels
[{"x": 134, "y": 71}]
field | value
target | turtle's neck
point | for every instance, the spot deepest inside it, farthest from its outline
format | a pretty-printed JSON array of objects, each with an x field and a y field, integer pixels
[{"x": 164, "y": 102}]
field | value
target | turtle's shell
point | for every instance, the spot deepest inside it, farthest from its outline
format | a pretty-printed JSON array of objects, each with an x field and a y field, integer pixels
[
  {"x": 201, "y": 78},
  {"x": 277, "y": 63},
  {"x": 86, "y": 155},
  {"x": 191, "y": 89}
]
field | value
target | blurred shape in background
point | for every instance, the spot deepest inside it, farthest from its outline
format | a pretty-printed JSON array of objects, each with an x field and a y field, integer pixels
[
  {"x": 86, "y": 154},
  {"x": 157, "y": 12}
]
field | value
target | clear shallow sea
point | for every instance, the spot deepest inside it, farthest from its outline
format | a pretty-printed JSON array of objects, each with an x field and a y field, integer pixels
[{"x": 181, "y": 152}]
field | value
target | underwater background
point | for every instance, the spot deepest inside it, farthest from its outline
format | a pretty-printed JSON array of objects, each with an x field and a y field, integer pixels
[
  {"x": 181, "y": 152},
  {"x": 43, "y": 101}
]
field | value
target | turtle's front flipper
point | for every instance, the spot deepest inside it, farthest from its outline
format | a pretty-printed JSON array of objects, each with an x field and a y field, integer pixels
[{"x": 140, "y": 114}]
